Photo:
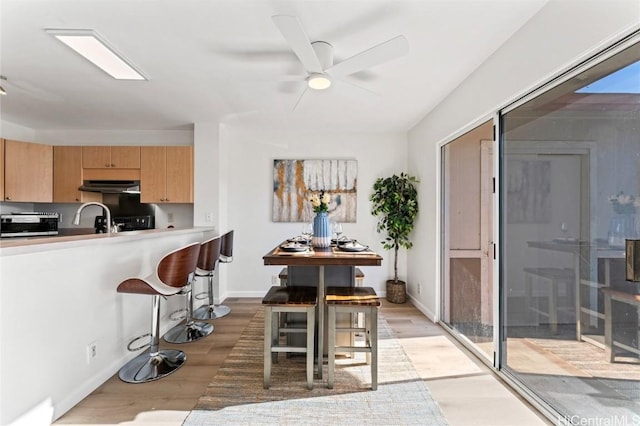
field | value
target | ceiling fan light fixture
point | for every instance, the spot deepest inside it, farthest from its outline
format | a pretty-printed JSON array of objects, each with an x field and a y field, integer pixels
[
  {"x": 92, "y": 47},
  {"x": 319, "y": 81}
]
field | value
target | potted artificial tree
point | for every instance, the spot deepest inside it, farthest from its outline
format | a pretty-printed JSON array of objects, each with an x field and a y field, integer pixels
[{"x": 395, "y": 202}]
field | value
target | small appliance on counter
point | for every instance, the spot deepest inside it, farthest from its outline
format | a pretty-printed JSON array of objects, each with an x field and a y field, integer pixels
[
  {"x": 125, "y": 223},
  {"x": 29, "y": 224}
]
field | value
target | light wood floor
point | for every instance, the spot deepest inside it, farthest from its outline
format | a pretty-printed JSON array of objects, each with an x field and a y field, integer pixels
[{"x": 466, "y": 390}]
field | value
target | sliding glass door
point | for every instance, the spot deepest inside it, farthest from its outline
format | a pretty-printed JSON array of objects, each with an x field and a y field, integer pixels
[
  {"x": 468, "y": 301},
  {"x": 570, "y": 191}
]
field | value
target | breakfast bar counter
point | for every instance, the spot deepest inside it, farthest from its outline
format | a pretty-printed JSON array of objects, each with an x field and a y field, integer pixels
[{"x": 58, "y": 298}]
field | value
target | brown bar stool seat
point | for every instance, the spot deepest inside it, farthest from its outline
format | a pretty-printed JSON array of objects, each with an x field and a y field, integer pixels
[
  {"x": 288, "y": 299},
  {"x": 173, "y": 272},
  {"x": 353, "y": 300},
  {"x": 207, "y": 261}
]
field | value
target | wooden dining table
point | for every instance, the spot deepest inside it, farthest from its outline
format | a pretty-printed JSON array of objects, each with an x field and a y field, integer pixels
[{"x": 322, "y": 258}]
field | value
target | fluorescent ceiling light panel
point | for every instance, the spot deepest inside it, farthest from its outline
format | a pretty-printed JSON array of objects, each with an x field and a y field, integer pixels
[{"x": 97, "y": 51}]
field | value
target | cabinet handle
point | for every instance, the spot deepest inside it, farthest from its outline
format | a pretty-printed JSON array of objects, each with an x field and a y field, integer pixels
[
  {"x": 113, "y": 165},
  {"x": 8, "y": 198},
  {"x": 77, "y": 199}
]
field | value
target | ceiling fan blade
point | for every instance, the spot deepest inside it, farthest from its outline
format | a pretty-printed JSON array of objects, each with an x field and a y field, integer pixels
[
  {"x": 304, "y": 92},
  {"x": 293, "y": 32},
  {"x": 383, "y": 52},
  {"x": 356, "y": 88}
]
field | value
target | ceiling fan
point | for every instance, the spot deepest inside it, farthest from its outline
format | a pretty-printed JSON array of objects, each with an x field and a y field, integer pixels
[{"x": 317, "y": 57}]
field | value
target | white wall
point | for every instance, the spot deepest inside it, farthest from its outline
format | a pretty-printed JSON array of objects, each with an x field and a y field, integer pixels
[
  {"x": 13, "y": 131},
  {"x": 563, "y": 33},
  {"x": 250, "y": 156}
]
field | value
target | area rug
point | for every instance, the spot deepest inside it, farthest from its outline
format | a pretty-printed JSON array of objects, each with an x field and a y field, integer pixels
[{"x": 236, "y": 396}]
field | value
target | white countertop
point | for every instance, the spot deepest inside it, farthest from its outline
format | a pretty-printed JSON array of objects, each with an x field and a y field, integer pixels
[{"x": 10, "y": 247}]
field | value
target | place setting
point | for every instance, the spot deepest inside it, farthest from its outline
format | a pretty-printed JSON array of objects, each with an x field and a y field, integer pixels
[
  {"x": 295, "y": 247},
  {"x": 299, "y": 243}
]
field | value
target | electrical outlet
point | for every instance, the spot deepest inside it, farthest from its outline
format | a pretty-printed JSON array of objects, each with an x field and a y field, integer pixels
[
  {"x": 169, "y": 217},
  {"x": 92, "y": 352},
  {"x": 419, "y": 288},
  {"x": 275, "y": 280},
  {"x": 208, "y": 217}
]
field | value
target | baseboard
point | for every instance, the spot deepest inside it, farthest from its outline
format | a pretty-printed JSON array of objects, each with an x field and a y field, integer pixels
[{"x": 426, "y": 311}]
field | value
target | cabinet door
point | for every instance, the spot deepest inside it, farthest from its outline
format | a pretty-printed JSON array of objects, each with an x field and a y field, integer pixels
[
  {"x": 96, "y": 157},
  {"x": 67, "y": 173},
  {"x": 67, "y": 176},
  {"x": 28, "y": 172},
  {"x": 125, "y": 157},
  {"x": 179, "y": 174},
  {"x": 152, "y": 174}
]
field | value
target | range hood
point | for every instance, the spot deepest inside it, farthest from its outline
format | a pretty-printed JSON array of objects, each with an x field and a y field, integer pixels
[{"x": 111, "y": 186}]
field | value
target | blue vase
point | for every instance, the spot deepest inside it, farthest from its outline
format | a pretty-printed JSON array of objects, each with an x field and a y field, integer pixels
[
  {"x": 621, "y": 227},
  {"x": 321, "y": 230}
]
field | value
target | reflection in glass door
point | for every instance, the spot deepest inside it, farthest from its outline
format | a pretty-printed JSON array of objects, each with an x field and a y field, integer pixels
[
  {"x": 570, "y": 193},
  {"x": 467, "y": 237}
]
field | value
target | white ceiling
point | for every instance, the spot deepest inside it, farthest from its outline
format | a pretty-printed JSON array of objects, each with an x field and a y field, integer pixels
[{"x": 222, "y": 60}]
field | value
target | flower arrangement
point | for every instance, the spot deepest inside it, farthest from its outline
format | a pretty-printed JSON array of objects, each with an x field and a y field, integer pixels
[
  {"x": 320, "y": 202},
  {"x": 624, "y": 204}
]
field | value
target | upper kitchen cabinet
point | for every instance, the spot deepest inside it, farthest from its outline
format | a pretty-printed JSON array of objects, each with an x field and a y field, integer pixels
[
  {"x": 166, "y": 174},
  {"x": 28, "y": 172},
  {"x": 111, "y": 157},
  {"x": 67, "y": 176}
]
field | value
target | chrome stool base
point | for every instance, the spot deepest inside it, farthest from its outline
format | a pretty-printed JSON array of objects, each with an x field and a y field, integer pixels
[
  {"x": 185, "y": 333},
  {"x": 146, "y": 367},
  {"x": 209, "y": 312}
]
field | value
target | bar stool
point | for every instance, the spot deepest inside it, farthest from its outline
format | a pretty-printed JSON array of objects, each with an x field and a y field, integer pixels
[
  {"x": 353, "y": 300},
  {"x": 190, "y": 331},
  {"x": 225, "y": 256},
  {"x": 209, "y": 256},
  {"x": 280, "y": 300},
  {"x": 172, "y": 273}
]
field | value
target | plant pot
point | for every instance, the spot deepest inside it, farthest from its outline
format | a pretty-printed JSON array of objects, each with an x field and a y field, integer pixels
[{"x": 396, "y": 292}]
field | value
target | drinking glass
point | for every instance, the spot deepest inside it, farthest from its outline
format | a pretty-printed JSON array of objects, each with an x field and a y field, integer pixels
[
  {"x": 337, "y": 228},
  {"x": 307, "y": 230},
  {"x": 564, "y": 228}
]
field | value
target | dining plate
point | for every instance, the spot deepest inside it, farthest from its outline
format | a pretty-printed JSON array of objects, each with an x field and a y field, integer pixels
[
  {"x": 341, "y": 241},
  {"x": 352, "y": 246},
  {"x": 299, "y": 239},
  {"x": 294, "y": 247}
]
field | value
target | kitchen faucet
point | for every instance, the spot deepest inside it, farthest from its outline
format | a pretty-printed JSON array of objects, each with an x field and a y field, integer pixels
[{"x": 76, "y": 218}]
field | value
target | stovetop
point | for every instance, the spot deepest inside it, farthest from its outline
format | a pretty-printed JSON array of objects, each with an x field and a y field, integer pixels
[{"x": 125, "y": 223}]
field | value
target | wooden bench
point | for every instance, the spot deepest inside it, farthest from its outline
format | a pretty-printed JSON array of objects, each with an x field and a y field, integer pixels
[
  {"x": 358, "y": 300},
  {"x": 610, "y": 344},
  {"x": 288, "y": 299},
  {"x": 555, "y": 277}
]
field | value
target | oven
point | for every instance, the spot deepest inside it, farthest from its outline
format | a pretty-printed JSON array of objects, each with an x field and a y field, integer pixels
[{"x": 29, "y": 224}]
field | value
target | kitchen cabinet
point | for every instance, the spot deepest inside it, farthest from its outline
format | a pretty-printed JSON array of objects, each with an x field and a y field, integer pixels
[
  {"x": 111, "y": 157},
  {"x": 166, "y": 174},
  {"x": 28, "y": 172},
  {"x": 67, "y": 176}
]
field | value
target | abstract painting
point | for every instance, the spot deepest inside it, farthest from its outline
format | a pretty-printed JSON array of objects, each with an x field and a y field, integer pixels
[
  {"x": 294, "y": 181},
  {"x": 528, "y": 191}
]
